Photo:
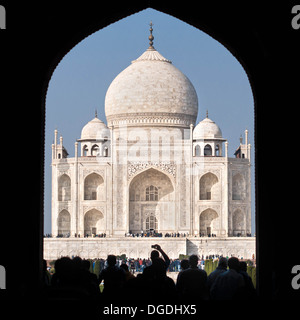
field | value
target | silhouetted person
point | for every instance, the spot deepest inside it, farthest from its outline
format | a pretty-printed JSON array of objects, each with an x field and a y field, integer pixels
[
  {"x": 68, "y": 281},
  {"x": 152, "y": 270},
  {"x": 153, "y": 284},
  {"x": 158, "y": 286},
  {"x": 114, "y": 279},
  {"x": 155, "y": 254},
  {"x": 46, "y": 275},
  {"x": 128, "y": 274},
  {"x": 229, "y": 284},
  {"x": 184, "y": 264},
  {"x": 222, "y": 267},
  {"x": 248, "y": 291},
  {"x": 90, "y": 280},
  {"x": 63, "y": 272},
  {"x": 191, "y": 284}
]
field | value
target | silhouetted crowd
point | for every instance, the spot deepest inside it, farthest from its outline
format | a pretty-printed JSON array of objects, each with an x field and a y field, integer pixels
[
  {"x": 73, "y": 280},
  {"x": 139, "y": 264}
]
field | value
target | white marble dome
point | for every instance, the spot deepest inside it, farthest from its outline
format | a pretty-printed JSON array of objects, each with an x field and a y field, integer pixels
[
  {"x": 151, "y": 90},
  {"x": 94, "y": 130},
  {"x": 207, "y": 129}
]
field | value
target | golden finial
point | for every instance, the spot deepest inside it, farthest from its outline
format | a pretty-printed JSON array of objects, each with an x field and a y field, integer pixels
[
  {"x": 206, "y": 113},
  {"x": 151, "y": 38}
]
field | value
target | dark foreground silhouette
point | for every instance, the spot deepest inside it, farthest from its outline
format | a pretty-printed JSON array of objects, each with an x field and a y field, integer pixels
[{"x": 72, "y": 280}]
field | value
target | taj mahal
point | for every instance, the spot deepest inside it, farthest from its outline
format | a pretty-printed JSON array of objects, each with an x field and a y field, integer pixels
[{"x": 151, "y": 170}]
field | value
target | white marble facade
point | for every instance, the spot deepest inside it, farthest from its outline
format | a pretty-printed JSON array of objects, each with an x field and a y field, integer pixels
[
  {"x": 150, "y": 168},
  {"x": 91, "y": 248}
]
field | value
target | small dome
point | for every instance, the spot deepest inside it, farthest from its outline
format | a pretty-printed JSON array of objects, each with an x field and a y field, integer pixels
[
  {"x": 207, "y": 129},
  {"x": 94, "y": 130}
]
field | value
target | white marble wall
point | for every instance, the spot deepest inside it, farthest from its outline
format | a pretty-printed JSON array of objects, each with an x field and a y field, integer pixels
[{"x": 55, "y": 248}]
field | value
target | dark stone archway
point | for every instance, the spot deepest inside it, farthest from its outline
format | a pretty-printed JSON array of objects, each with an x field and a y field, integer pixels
[{"x": 36, "y": 39}]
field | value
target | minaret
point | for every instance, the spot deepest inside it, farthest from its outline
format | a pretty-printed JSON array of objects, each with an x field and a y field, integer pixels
[
  {"x": 243, "y": 151},
  {"x": 226, "y": 149},
  {"x": 58, "y": 150},
  {"x": 55, "y": 143}
]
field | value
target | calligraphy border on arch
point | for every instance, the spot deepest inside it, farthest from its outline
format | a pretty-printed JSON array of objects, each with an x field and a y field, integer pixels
[{"x": 136, "y": 167}]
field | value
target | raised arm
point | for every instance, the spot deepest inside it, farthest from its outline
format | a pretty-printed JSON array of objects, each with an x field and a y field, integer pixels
[{"x": 165, "y": 256}]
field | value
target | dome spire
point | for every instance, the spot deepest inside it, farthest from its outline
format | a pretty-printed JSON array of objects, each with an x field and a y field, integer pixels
[
  {"x": 151, "y": 38},
  {"x": 151, "y": 54}
]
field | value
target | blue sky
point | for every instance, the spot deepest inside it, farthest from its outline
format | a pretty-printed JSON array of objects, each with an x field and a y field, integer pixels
[{"x": 80, "y": 81}]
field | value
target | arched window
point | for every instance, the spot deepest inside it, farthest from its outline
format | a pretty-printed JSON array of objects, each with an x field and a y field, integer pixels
[
  {"x": 217, "y": 151},
  {"x": 208, "y": 219},
  {"x": 151, "y": 224},
  {"x": 95, "y": 150},
  {"x": 238, "y": 187},
  {"x": 63, "y": 223},
  {"x": 207, "y": 150},
  {"x": 84, "y": 151},
  {"x": 92, "y": 185},
  {"x": 197, "y": 151},
  {"x": 151, "y": 194},
  {"x": 93, "y": 222},
  {"x": 105, "y": 152},
  {"x": 157, "y": 189},
  {"x": 207, "y": 183},
  {"x": 238, "y": 223},
  {"x": 64, "y": 188}
]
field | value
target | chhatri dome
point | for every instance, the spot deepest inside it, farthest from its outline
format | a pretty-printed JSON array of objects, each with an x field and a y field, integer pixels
[
  {"x": 151, "y": 91},
  {"x": 207, "y": 129},
  {"x": 94, "y": 130}
]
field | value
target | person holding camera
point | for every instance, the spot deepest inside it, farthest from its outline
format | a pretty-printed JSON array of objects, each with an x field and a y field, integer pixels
[
  {"x": 158, "y": 265},
  {"x": 159, "y": 285},
  {"x": 155, "y": 254}
]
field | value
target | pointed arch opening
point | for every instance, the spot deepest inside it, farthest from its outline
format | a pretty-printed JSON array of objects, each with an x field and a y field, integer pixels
[
  {"x": 95, "y": 151},
  {"x": 85, "y": 150},
  {"x": 208, "y": 186},
  {"x": 238, "y": 223},
  {"x": 197, "y": 151},
  {"x": 238, "y": 187},
  {"x": 93, "y": 187},
  {"x": 64, "y": 188},
  {"x": 64, "y": 224},
  {"x": 208, "y": 221},
  {"x": 151, "y": 202},
  {"x": 218, "y": 151},
  {"x": 207, "y": 150},
  {"x": 101, "y": 25},
  {"x": 93, "y": 222}
]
